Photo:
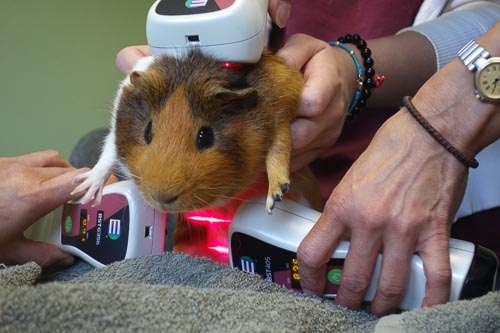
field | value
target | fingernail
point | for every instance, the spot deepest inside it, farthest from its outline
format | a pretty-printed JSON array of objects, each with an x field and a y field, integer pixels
[{"x": 282, "y": 14}]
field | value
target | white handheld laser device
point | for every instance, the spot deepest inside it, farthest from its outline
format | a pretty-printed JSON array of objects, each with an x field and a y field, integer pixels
[
  {"x": 266, "y": 245},
  {"x": 122, "y": 226},
  {"x": 229, "y": 30}
]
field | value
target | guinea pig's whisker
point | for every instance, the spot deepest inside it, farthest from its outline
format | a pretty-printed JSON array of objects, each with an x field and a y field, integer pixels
[
  {"x": 122, "y": 174},
  {"x": 135, "y": 177},
  {"x": 217, "y": 193},
  {"x": 201, "y": 200}
]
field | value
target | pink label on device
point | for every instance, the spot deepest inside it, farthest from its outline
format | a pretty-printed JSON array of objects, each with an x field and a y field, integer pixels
[
  {"x": 78, "y": 218},
  {"x": 100, "y": 232},
  {"x": 223, "y": 4}
]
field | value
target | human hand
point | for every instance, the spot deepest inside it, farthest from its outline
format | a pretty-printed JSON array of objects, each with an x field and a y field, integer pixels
[
  {"x": 330, "y": 86},
  {"x": 398, "y": 198},
  {"x": 128, "y": 57},
  {"x": 279, "y": 10},
  {"x": 31, "y": 186}
]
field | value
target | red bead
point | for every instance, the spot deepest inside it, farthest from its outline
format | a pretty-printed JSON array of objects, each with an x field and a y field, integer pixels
[
  {"x": 379, "y": 80},
  {"x": 232, "y": 65}
]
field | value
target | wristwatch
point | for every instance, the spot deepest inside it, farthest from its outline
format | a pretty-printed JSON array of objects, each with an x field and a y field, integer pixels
[{"x": 487, "y": 81}]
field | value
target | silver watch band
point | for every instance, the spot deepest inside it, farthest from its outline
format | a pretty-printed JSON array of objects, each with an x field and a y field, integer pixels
[{"x": 470, "y": 53}]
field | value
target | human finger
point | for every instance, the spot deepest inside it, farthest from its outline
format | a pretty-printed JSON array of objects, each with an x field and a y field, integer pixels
[
  {"x": 299, "y": 161},
  {"x": 298, "y": 49},
  {"x": 45, "y": 158},
  {"x": 279, "y": 10},
  {"x": 323, "y": 84},
  {"x": 315, "y": 251},
  {"x": 56, "y": 189},
  {"x": 44, "y": 254},
  {"x": 437, "y": 268},
  {"x": 42, "y": 195},
  {"x": 393, "y": 278},
  {"x": 358, "y": 269},
  {"x": 128, "y": 57},
  {"x": 302, "y": 133},
  {"x": 42, "y": 174}
]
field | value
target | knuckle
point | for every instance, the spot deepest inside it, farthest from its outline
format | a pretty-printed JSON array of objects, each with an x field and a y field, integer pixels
[
  {"x": 298, "y": 37},
  {"x": 27, "y": 195},
  {"x": 402, "y": 230},
  {"x": 308, "y": 259},
  {"x": 53, "y": 154},
  {"x": 338, "y": 203},
  {"x": 13, "y": 168},
  {"x": 441, "y": 276},
  {"x": 314, "y": 101},
  {"x": 355, "y": 284},
  {"x": 391, "y": 291}
]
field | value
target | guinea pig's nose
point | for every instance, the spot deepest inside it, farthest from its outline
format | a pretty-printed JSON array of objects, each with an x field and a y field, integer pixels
[{"x": 164, "y": 198}]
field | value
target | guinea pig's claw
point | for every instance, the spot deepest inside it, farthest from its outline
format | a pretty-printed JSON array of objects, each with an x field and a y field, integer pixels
[
  {"x": 269, "y": 205},
  {"x": 284, "y": 188},
  {"x": 91, "y": 186},
  {"x": 276, "y": 196}
]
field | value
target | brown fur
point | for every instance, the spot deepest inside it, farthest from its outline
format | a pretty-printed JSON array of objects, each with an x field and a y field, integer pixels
[{"x": 250, "y": 111}]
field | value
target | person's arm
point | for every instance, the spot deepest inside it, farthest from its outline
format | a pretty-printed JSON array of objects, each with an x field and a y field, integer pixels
[
  {"x": 476, "y": 123},
  {"x": 409, "y": 60},
  {"x": 402, "y": 194},
  {"x": 461, "y": 21},
  {"x": 406, "y": 59},
  {"x": 31, "y": 186}
]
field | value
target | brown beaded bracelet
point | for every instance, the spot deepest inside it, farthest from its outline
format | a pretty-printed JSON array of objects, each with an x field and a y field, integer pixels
[{"x": 470, "y": 163}]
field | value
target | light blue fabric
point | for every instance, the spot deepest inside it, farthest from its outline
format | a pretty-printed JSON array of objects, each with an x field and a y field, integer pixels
[{"x": 452, "y": 30}]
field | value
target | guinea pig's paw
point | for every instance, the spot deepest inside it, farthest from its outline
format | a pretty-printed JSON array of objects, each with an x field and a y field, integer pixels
[
  {"x": 276, "y": 195},
  {"x": 90, "y": 187}
]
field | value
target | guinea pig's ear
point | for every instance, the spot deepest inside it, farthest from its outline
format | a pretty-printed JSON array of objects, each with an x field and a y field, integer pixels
[
  {"x": 136, "y": 79},
  {"x": 239, "y": 98}
]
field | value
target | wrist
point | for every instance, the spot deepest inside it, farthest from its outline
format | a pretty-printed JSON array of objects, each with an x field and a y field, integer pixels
[
  {"x": 437, "y": 136},
  {"x": 471, "y": 123},
  {"x": 343, "y": 75},
  {"x": 357, "y": 100},
  {"x": 447, "y": 102},
  {"x": 366, "y": 79}
]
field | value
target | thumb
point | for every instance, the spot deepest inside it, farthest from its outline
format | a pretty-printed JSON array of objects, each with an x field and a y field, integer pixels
[
  {"x": 44, "y": 254},
  {"x": 279, "y": 10}
]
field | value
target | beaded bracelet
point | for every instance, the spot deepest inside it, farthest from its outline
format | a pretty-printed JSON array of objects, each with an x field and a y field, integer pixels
[
  {"x": 359, "y": 80},
  {"x": 369, "y": 80},
  {"x": 470, "y": 163}
]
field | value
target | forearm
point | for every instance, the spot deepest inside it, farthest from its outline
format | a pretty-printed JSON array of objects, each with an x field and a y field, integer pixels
[
  {"x": 453, "y": 29},
  {"x": 406, "y": 60},
  {"x": 414, "y": 54},
  {"x": 447, "y": 101}
]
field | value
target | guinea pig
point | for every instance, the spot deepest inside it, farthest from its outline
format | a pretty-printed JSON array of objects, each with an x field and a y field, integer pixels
[{"x": 193, "y": 132}]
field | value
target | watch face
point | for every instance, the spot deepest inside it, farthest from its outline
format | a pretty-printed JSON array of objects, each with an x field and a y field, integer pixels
[{"x": 488, "y": 80}]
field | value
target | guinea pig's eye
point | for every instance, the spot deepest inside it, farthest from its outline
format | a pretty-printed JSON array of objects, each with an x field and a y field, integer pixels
[
  {"x": 205, "y": 138},
  {"x": 148, "y": 132}
]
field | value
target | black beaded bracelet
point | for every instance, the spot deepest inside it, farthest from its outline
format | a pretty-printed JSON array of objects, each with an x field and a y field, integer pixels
[
  {"x": 468, "y": 162},
  {"x": 370, "y": 78}
]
